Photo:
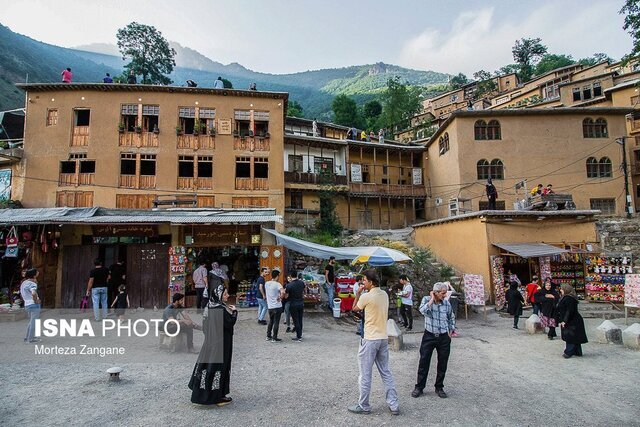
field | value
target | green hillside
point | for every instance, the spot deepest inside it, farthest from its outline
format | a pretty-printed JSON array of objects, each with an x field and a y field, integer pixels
[{"x": 314, "y": 90}]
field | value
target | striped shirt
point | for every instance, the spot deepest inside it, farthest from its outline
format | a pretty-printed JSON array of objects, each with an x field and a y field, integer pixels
[{"x": 438, "y": 318}]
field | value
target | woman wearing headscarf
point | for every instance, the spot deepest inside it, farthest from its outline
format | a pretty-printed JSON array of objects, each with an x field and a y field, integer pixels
[
  {"x": 217, "y": 277},
  {"x": 515, "y": 301},
  {"x": 212, "y": 373},
  {"x": 570, "y": 321},
  {"x": 548, "y": 298}
]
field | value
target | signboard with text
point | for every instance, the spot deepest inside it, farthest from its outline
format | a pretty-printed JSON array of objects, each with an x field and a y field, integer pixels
[
  {"x": 416, "y": 174},
  {"x": 224, "y": 127},
  {"x": 356, "y": 172},
  {"x": 125, "y": 230}
]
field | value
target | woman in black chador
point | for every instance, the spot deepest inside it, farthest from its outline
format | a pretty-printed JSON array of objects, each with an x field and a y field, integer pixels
[
  {"x": 571, "y": 323},
  {"x": 212, "y": 373},
  {"x": 548, "y": 298}
]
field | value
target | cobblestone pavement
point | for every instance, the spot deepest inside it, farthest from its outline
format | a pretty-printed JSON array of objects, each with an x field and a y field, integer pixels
[{"x": 496, "y": 376}]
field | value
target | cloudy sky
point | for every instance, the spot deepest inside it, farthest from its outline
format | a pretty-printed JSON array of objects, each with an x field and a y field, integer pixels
[{"x": 281, "y": 36}]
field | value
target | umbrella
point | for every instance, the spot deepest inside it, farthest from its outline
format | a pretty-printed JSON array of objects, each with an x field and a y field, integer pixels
[{"x": 377, "y": 256}]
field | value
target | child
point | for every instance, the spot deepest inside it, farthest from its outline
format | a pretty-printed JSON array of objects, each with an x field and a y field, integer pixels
[{"x": 121, "y": 302}]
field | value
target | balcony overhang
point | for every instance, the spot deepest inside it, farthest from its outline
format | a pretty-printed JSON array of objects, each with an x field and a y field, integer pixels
[{"x": 11, "y": 155}]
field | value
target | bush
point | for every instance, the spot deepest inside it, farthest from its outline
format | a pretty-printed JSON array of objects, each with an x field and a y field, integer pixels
[{"x": 445, "y": 272}]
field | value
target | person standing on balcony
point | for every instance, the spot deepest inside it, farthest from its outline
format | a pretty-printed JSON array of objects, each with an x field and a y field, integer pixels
[
  {"x": 492, "y": 195},
  {"x": 131, "y": 78},
  {"x": 381, "y": 135},
  {"x": 67, "y": 75}
]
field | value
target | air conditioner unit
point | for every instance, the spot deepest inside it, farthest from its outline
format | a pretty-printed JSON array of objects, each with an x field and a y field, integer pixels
[{"x": 438, "y": 201}]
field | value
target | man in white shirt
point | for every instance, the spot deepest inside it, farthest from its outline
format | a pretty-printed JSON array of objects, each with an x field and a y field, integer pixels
[
  {"x": 29, "y": 294},
  {"x": 274, "y": 293},
  {"x": 406, "y": 296}
]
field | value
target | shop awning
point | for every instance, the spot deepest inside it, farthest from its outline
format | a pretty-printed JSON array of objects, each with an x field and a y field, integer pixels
[
  {"x": 324, "y": 252},
  {"x": 530, "y": 250}
]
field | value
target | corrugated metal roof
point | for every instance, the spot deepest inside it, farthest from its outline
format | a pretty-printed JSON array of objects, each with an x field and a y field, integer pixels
[
  {"x": 530, "y": 250},
  {"x": 98, "y": 215}
]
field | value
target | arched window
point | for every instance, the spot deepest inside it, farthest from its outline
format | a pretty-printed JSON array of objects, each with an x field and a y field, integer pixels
[
  {"x": 497, "y": 169},
  {"x": 484, "y": 169},
  {"x": 592, "y": 167},
  {"x": 493, "y": 130},
  {"x": 605, "y": 168},
  {"x": 480, "y": 130},
  {"x": 443, "y": 144},
  {"x": 594, "y": 129}
]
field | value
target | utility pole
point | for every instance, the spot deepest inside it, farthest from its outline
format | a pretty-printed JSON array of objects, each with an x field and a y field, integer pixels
[{"x": 627, "y": 205}]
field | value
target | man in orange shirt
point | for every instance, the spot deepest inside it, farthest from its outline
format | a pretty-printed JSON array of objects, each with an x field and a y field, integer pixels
[{"x": 532, "y": 288}]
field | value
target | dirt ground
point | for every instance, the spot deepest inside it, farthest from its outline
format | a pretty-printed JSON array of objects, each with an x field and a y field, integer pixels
[{"x": 496, "y": 376}]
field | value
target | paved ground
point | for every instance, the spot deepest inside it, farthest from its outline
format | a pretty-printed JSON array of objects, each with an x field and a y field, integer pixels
[{"x": 497, "y": 376}]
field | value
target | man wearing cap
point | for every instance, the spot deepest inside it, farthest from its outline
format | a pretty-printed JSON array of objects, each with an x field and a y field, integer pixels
[{"x": 29, "y": 294}]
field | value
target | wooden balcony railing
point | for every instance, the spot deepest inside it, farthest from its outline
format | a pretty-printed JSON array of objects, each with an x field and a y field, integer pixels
[
  {"x": 314, "y": 178},
  {"x": 204, "y": 183},
  {"x": 244, "y": 184},
  {"x": 261, "y": 184},
  {"x": 250, "y": 143},
  {"x": 195, "y": 183},
  {"x": 186, "y": 183},
  {"x": 147, "y": 181},
  {"x": 67, "y": 179},
  {"x": 127, "y": 181},
  {"x": 635, "y": 125},
  {"x": 388, "y": 189},
  {"x": 635, "y": 168},
  {"x": 135, "y": 139},
  {"x": 197, "y": 142},
  {"x": 86, "y": 178},
  {"x": 80, "y": 136}
]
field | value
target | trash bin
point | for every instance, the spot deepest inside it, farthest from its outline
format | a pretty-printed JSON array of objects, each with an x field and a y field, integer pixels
[{"x": 336, "y": 307}]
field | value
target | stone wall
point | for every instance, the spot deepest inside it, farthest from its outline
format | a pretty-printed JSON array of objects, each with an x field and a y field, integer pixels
[{"x": 620, "y": 235}]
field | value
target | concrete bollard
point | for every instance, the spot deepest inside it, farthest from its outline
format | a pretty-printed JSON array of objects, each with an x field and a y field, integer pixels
[
  {"x": 608, "y": 333},
  {"x": 396, "y": 342},
  {"x": 533, "y": 325},
  {"x": 631, "y": 337}
]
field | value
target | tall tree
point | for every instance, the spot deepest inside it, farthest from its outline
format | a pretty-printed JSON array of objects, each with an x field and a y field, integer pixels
[
  {"x": 294, "y": 109},
  {"x": 551, "y": 61},
  {"x": 526, "y": 53},
  {"x": 631, "y": 9},
  {"x": 400, "y": 103},
  {"x": 149, "y": 52},
  {"x": 458, "y": 81},
  {"x": 596, "y": 58},
  {"x": 485, "y": 84},
  {"x": 507, "y": 69},
  {"x": 371, "y": 113},
  {"x": 345, "y": 110}
]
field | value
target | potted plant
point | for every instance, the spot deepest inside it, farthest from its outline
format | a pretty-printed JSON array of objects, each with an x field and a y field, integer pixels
[
  {"x": 137, "y": 129},
  {"x": 156, "y": 129},
  {"x": 121, "y": 127},
  {"x": 196, "y": 127},
  {"x": 212, "y": 131},
  {"x": 179, "y": 130},
  {"x": 203, "y": 128}
]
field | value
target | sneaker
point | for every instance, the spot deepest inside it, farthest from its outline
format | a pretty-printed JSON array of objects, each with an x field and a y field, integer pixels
[
  {"x": 276, "y": 340},
  {"x": 356, "y": 409},
  {"x": 408, "y": 329},
  {"x": 416, "y": 392},
  {"x": 394, "y": 411},
  {"x": 35, "y": 340},
  {"x": 296, "y": 339},
  {"x": 515, "y": 327},
  {"x": 269, "y": 339}
]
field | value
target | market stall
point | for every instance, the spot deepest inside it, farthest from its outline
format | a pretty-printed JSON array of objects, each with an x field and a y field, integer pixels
[{"x": 605, "y": 276}]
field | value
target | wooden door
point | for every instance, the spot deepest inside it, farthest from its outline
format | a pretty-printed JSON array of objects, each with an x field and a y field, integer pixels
[
  {"x": 273, "y": 258},
  {"x": 147, "y": 275},
  {"x": 77, "y": 263}
]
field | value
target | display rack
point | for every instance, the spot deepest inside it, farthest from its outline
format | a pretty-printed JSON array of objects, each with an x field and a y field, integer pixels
[
  {"x": 605, "y": 277},
  {"x": 177, "y": 270},
  {"x": 570, "y": 272}
]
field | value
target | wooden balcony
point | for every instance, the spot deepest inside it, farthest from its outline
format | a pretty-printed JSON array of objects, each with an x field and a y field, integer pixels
[
  {"x": 252, "y": 184},
  {"x": 635, "y": 168},
  {"x": 251, "y": 143},
  {"x": 70, "y": 179},
  {"x": 80, "y": 136},
  {"x": 314, "y": 178},
  {"x": 197, "y": 142},
  {"x": 147, "y": 181},
  {"x": 135, "y": 139},
  {"x": 127, "y": 181},
  {"x": 388, "y": 190},
  {"x": 86, "y": 178},
  {"x": 67, "y": 179},
  {"x": 634, "y": 124},
  {"x": 195, "y": 183}
]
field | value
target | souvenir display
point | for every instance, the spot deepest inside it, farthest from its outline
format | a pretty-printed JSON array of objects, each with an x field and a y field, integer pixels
[
  {"x": 497, "y": 273},
  {"x": 605, "y": 277},
  {"x": 177, "y": 269},
  {"x": 632, "y": 290},
  {"x": 568, "y": 268},
  {"x": 545, "y": 267},
  {"x": 473, "y": 289}
]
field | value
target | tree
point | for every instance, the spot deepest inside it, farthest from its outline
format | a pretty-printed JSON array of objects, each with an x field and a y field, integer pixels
[
  {"x": 631, "y": 9},
  {"x": 551, "y": 61},
  {"x": 596, "y": 59},
  {"x": 507, "y": 69},
  {"x": 149, "y": 52},
  {"x": 401, "y": 102},
  {"x": 227, "y": 84},
  {"x": 345, "y": 110},
  {"x": 485, "y": 84},
  {"x": 458, "y": 81},
  {"x": 294, "y": 109},
  {"x": 372, "y": 109},
  {"x": 526, "y": 53}
]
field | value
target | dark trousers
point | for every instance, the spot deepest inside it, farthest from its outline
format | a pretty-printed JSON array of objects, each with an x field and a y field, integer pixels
[
  {"x": 200, "y": 301},
  {"x": 274, "y": 322},
  {"x": 515, "y": 320},
  {"x": 552, "y": 332},
  {"x": 573, "y": 349},
  {"x": 297, "y": 310},
  {"x": 492, "y": 204},
  {"x": 442, "y": 345},
  {"x": 184, "y": 329},
  {"x": 536, "y": 308},
  {"x": 407, "y": 315}
]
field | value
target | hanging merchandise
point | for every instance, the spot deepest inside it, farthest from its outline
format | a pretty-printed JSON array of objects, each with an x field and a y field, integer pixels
[
  {"x": 545, "y": 268},
  {"x": 12, "y": 238},
  {"x": 43, "y": 240},
  {"x": 605, "y": 277},
  {"x": 568, "y": 268},
  {"x": 497, "y": 273},
  {"x": 11, "y": 252},
  {"x": 177, "y": 268}
]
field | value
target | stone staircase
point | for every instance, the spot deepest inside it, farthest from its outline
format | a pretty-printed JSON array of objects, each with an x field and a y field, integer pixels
[{"x": 600, "y": 310}]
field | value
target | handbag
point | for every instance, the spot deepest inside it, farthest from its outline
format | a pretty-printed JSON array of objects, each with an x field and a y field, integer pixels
[
  {"x": 11, "y": 252},
  {"x": 12, "y": 238},
  {"x": 84, "y": 304}
]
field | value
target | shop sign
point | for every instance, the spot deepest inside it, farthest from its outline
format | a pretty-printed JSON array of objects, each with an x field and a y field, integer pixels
[
  {"x": 224, "y": 126},
  {"x": 255, "y": 239},
  {"x": 416, "y": 174},
  {"x": 125, "y": 230},
  {"x": 356, "y": 172},
  {"x": 632, "y": 290},
  {"x": 221, "y": 235}
]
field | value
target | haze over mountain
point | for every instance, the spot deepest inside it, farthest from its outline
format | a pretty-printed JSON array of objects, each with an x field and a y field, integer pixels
[{"x": 314, "y": 90}]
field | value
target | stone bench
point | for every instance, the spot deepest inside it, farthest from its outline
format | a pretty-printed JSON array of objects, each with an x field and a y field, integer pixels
[
  {"x": 396, "y": 342},
  {"x": 174, "y": 344},
  {"x": 631, "y": 337},
  {"x": 608, "y": 333},
  {"x": 533, "y": 324}
]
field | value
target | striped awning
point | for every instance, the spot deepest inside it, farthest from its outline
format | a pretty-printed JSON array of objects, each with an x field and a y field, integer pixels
[{"x": 530, "y": 250}]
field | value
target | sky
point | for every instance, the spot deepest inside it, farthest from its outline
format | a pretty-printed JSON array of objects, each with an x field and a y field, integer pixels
[{"x": 285, "y": 36}]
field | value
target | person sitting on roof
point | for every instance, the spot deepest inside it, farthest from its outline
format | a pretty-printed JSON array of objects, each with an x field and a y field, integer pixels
[
  {"x": 548, "y": 190},
  {"x": 363, "y": 136},
  {"x": 536, "y": 191},
  {"x": 107, "y": 79},
  {"x": 131, "y": 78},
  {"x": 218, "y": 84}
]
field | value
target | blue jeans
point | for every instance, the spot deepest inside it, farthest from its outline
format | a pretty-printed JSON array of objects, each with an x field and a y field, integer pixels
[
  {"x": 99, "y": 296},
  {"x": 262, "y": 309},
  {"x": 34, "y": 314},
  {"x": 330, "y": 291}
]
